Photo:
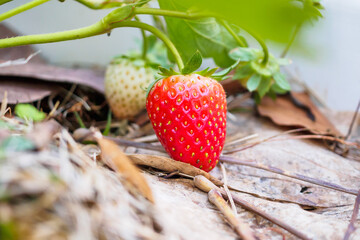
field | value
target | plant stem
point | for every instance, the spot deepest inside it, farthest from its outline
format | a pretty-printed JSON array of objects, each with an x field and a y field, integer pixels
[
  {"x": 145, "y": 41},
  {"x": 92, "y": 30},
  {"x": 21, "y": 9},
  {"x": 171, "y": 13},
  {"x": 262, "y": 44},
  {"x": 162, "y": 36},
  {"x": 297, "y": 28},
  {"x": 233, "y": 34}
]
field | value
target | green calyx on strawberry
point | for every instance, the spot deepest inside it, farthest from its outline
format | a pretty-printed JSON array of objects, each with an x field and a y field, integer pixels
[
  {"x": 188, "y": 113},
  {"x": 127, "y": 76},
  {"x": 257, "y": 77}
]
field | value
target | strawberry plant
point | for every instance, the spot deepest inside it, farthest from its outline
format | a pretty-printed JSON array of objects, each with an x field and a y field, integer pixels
[{"x": 211, "y": 29}]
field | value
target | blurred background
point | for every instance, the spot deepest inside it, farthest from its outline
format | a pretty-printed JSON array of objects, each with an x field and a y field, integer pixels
[{"x": 330, "y": 63}]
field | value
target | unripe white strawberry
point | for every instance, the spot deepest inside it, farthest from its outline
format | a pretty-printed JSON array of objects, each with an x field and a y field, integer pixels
[{"x": 125, "y": 82}]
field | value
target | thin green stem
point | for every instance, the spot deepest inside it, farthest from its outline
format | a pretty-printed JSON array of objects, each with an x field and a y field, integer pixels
[
  {"x": 262, "y": 44},
  {"x": 92, "y": 30},
  {"x": 145, "y": 41},
  {"x": 297, "y": 29},
  {"x": 162, "y": 36},
  {"x": 233, "y": 34},
  {"x": 21, "y": 9},
  {"x": 171, "y": 13}
]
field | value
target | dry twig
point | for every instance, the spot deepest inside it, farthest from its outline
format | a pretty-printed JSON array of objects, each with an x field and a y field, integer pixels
[
  {"x": 353, "y": 121},
  {"x": 228, "y": 159},
  {"x": 225, "y": 186},
  {"x": 351, "y": 228},
  {"x": 205, "y": 185},
  {"x": 240, "y": 227}
]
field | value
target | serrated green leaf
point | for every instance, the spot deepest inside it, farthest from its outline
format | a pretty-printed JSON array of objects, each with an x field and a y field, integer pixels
[
  {"x": 221, "y": 74},
  {"x": 281, "y": 81},
  {"x": 29, "y": 112},
  {"x": 278, "y": 90},
  {"x": 205, "y": 35},
  {"x": 264, "y": 86},
  {"x": 253, "y": 82},
  {"x": 273, "y": 19},
  {"x": 207, "y": 72},
  {"x": 245, "y": 54},
  {"x": 243, "y": 72},
  {"x": 193, "y": 64},
  {"x": 167, "y": 72},
  {"x": 260, "y": 69}
]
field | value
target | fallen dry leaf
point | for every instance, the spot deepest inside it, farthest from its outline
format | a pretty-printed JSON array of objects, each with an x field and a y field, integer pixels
[
  {"x": 23, "y": 91},
  {"x": 170, "y": 165},
  {"x": 36, "y": 79},
  {"x": 284, "y": 112},
  {"x": 117, "y": 160},
  {"x": 45, "y": 72}
]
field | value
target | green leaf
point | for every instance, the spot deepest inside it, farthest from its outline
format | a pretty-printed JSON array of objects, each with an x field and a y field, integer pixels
[
  {"x": 221, "y": 74},
  {"x": 276, "y": 89},
  {"x": 253, "y": 82},
  {"x": 29, "y": 112},
  {"x": 274, "y": 20},
  {"x": 167, "y": 72},
  {"x": 264, "y": 86},
  {"x": 244, "y": 54},
  {"x": 207, "y": 72},
  {"x": 205, "y": 35},
  {"x": 193, "y": 64},
  {"x": 243, "y": 72},
  {"x": 281, "y": 81},
  {"x": 260, "y": 69}
]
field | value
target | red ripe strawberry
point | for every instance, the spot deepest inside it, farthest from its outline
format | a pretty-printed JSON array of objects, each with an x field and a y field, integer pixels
[{"x": 188, "y": 114}]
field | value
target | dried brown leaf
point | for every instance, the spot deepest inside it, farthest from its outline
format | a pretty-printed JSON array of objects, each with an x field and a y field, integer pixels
[
  {"x": 170, "y": 165},
  {"x": 28, "y": 90},
  {"x": 40, "y": 71},
  {"x": 284, "y": 112},
  {"x": 23, "y": 91},
  {"x": 117, "y": 160}
]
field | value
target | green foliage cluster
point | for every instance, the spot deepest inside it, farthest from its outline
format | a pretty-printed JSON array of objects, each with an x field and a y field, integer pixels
[{"x": 208, "y": 28}]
